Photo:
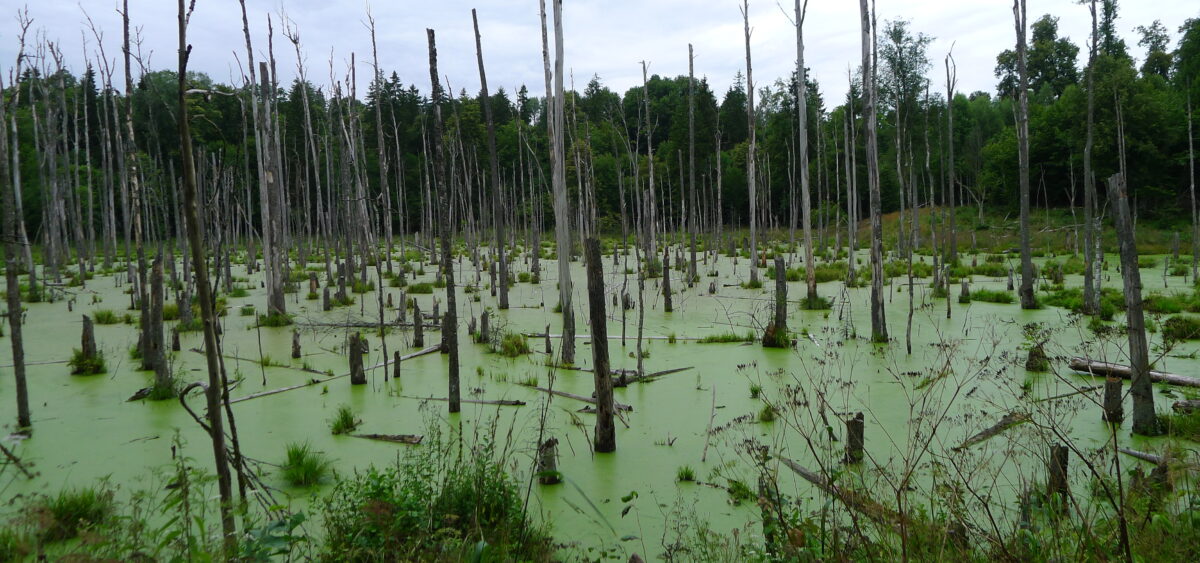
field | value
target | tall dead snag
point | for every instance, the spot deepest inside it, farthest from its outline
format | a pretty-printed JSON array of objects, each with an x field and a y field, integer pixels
[
  {"x": 208, "y": 316},
  {"x": 1028, "y": 299},
  {"x": 776, "y": 335},
  {"x": 499, "y": 215},
  {"x": 811, "y": 300},
  {"x": 1144, "y": 420},
  {"x": 441, "y": 187},
  {"x": 154, "y": 357},
  {"x": 12, "y": 284},
  {"x": 1091, "y": 260},
  {"x": 131, "y": 177},
  {"x": 606, "y": 438},
  {"x": 694, "y": 218},
  {"x": 558, "y": 176},
  {"x": 751, "y": 150},
  {"x": 666, "y": 280},
  {"x": 951, "y": 80},
  {"x": 878, "y": 320}
]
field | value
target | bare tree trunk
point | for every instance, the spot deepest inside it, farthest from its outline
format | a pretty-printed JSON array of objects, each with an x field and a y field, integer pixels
[
  {"x": 499, "y": 215},
  {"x": 694, "y": 218},
  {"x": 1028, "y": 299},
  {"x": 802, "y": 114},
  {"x": 8, "y": 195},
  {"x": 951, "y": 80},
  {"x": 1091, "y": 293},
  {"x": 606, "y": 439},
  {"x": 879, "y": 331},
  {"x": 1192, "y": 190},
  {"x": 214, "y": 390},
  {"x": 1144, "y": 420},
  {"x": 442, "y": 187},
  {"x": 558, "y": 176},
  {"x": 751, "y": 151}
]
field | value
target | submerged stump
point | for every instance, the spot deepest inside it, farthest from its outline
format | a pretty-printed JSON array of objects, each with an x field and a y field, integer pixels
[{"x": 357, "y": 348}]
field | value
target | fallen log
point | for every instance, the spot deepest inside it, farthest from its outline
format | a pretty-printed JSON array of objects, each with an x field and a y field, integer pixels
[
  {"x": 312, "y": 382},
  {"x": 852, "y": 499},
  {"x": 1104, "y": 369},
  {"x": 1071, "y": 394},
  {"x": 16, "y": 461},
  {"x": 259, "y": 362},
  {"x": 409, "y": 439},
  {"x": 1144, "y": 456},
  {"x": 1186, "y": 406},
  {"x": 498, "y": 402},
  {"x": 618, "y": 406},
  {"x": 1007, "y": 421}
]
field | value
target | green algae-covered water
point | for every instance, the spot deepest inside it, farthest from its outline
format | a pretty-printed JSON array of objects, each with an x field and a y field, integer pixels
[{"x": 963, "y": 374}]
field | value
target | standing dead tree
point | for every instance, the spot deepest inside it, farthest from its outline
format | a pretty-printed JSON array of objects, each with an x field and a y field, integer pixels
[
  {"x": 751, "y": 150},
  {"x": 441, "y": 187},
  {"x": 12, "y": 218},
  {"x": 498, "y": 208},
  {"x": 605, "y": 439},
  {"x": 1028, "y": 299},
  {"x": 558, "y": 175},
  {"x": 879, "y": 331}
]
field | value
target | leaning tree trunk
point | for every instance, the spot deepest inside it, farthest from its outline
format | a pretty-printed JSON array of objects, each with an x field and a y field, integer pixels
[
  {"x": 8, "y": 189},
  {"x": 1091, "y": 259},
  {"x": 878, "y": 321},
  {"x": 1144, "y": 420},
  {"x": 1028, "y": 299},
  {"x": 606, "y": 439},
  {"x": 498, "y": 207},
  {"x": 442, "y": 188},
  {"x": 213, "y": 392}
]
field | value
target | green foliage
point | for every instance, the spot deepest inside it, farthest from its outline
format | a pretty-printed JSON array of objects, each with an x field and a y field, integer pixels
[
  {"x": 752, "y": 284},
  {"x": 238, "y": 291},
  {"x": 83, "y": 365},
  {"x": 766, "y": 414},
  {"x": 420, "y": 288},
  {"x": 1181, "y": 327},
  {"x": 304, "y": 466},
  {"x": 360, "y": 287},
  {"x": 726, "y": 337},
  {"x": 274, "y": 320},
  {"x": 105, "y": 317},
  {"x": 246, "y": 310},
  {"x": 755, "y": 390},
  {"x": 344, "y": 421},
  {"x": 1145, "y": 262},
  {"x": 170, "y": 312},
  {"x": 991, "y": 296},
  {"x": 685, "y": 474},
  {"x": 72, "y": 511}
]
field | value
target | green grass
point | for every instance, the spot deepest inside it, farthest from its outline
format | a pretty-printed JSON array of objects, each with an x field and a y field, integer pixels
[
  {"x": 513, "y": 344},
  {"x": 343, "y": 421},
  {"x": 685, "y": 473},
  {"x": 170, "y": 312},
  {"x": 755, "y": 390},
  {"x": 238, "y": 292},
  {"x": 360, "y": 287},
  {"x": 727, "y": 337},
  {"x": 991, "y": 296},
  {"x": 105, "y": 317},
  {"x": 752, "y": 284},
  {"x": 274, "y": 320},
  {"x": 421, "y": 288},
  {"x": 1181, "y": 327},
  {"x": 304, "y": 466},
  {"x": 66, "y": 514},
  {"x": 1186, "y": 426},
  {"x": 246, "y": 310},
  {"x": 767, "y": 414},
  {"x": 82, "y": 365}
]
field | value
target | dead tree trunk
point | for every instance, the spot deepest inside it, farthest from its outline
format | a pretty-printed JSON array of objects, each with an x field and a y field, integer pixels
[
  {"x": 1091, "y": 293},
  {"x": 1144, "y": 420},
  {"x": 605, "y": 439},
  {"x": 776, "y": 335},
  {"x": 666, "y": 281},
  {"x": 751, "y": 150},
  {"x": 1114, "y": 410},
  {"x": 8, "y": 195},
  {"x": 499, "y": 215},
  {"x": 355, "y": 352},
  {"x": 558, "y": 176},
  {"x": 1028, "y": 299},
  {"x": 442, "y": 187},
  {"x": 854, "y": 439},
  {"x": 879, "y": 331},
  {"x": 810, "y": 278}
]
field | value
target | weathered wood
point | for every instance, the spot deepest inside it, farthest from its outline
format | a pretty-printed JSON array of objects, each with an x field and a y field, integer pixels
[
  {"x": 494, "y": 402},
  {"x": 1186, "y": 406},
  {"x": 312, "y": 382},
  {"x": 1114, "y": 410},
  {"x": 616, "y": 405},
  {"x": 1097, "y": 368},
  {"x": 1057, "y": 470},
  {"x": 605, "y": 434},
  {"x": 409, "y": 439},
  {"x": 1144, "y": 456},
  {"x": 852, "y": 499},
  {"x": 16, "y": 461},
  {"x": 1007, "y": 421},
  {"x": 547, "y": 465},
  {"x": 357, "y": 348},
  {"x": 1144, "y": 420},
  {"x": 854, "y": 439},
  {"x": 296, "y": 352},
  {"x": 418, "y": 331}
]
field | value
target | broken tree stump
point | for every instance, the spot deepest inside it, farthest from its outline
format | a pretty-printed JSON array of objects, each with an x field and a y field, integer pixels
[
  {"x": 296, "y": 354},
  {"x": 1037, "y": 361},
  {"x": 854, "y": 439},
  {"x": 325, "y": 304},
  {"x": 485, "y": 332},
  {"x": 396, "y": 365},
  {"x": 1057, "y": 468},
  {"x": 357, "y": 345},
  {"x": 88, "y": 339},
  {"x": 547, "y": 465},
  {"x": 418, "y": 331},
  {"x": 1114, "y": 411}
]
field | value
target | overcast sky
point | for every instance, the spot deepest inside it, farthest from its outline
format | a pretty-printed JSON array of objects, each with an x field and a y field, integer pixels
[{"x": 602, "y": 37}]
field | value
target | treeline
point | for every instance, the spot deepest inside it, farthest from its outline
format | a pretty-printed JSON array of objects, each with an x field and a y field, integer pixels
[{"x": 70, "y": 141}]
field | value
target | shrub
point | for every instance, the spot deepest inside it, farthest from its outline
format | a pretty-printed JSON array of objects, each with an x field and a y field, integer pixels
[
  {"x": 105, "y": 317},
  {"x": 170, "y": 312},
  {"x": 239, "y": 292},
  {"x": 275, "y": 320},
  {"x": 753, "y": 284},
  {"x": 421, "y": 288},
  {"x": 304, "y": 466},
  {"x": 1147, "y": 262},
  {"x": 991, "y": 296},
  {"x": 83, "y": 365},
  {"x": 767, "y": 414},
  {"x": 513, "y": 344},
  {"x": 71, "y": 511},
  {"x": 246, "y": 310},
  {"x": 1181, "y": 327}
]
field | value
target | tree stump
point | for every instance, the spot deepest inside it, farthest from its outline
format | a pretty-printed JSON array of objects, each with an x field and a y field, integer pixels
[
  {"x": 313, "y": 286},
  {"x": 1037, "y": 361},
  {"x": 547, "y": 465},
  {"x": 296, "y": 345},
  {"x": 418, "y": 329},
  {"x": 1057, "y": 480},
  {"x": 396, "y": 365},
  {"x": 666, "y": 281},
  {"x": 357, "y": 348},
  {"x": 1010, "y": 278},
  {"x": 549, "y": 345},
  {"x": 854, "y": 439},
  {"x": 87, "y": 343},
  {"x": 776, "y": 335},
  {"x": 485, "y": 332},
  {"x": 175, "y": 340},
  {"x": 325, "y": 304},
  {"x": 1114, "y": 410}
]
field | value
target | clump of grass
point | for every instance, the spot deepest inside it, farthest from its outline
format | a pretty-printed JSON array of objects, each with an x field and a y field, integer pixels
[
  {"x": 991, "y": 296},
  {"x": 105, "y": 317},
  {"x": 766, "y": 414},
  {"x": 816, "y": 303},
  {"x": 247, "y": 310},
  {"x": 170, "y": 312},
  {"x": 523, "y": 277},
  {"x": 274, "y": 320},
  {"x": 513, "y": 344},
  {"x": 726, "y": 337},
  {"x": 312, "y": 296},
  {"x": 72, "y": 511},
  {"x": 1181, "y": 327},
  {"x": 84, "y": 365},
  {"x": 671, "y": 338},
  {"x": 239, "y": 292},
  {"x": 1147, "y": 262},
  {"x": 752, "y": 284},
  {"x": 343, "y": 421},
  {"x": 304, "y": 466},
  {"x": 755, "y": 390},
  {"x": 1181, "y": 425},
  {"x": 360, "y": 287},
  {"x": 685, "y": 473},
  {"x": 421, "y": 288}
]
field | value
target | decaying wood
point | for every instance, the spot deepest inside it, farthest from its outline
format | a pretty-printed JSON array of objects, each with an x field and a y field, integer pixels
[
  {"x": 618, "y": 406},
  {"x": 1144, "y": 456},
  {"x": 1097, "y": 368},
  {"x": 1186, "y": 406},
  {"x": 498, "y": 402},
  {"x": 410, "y": 439},
  {"x": 15, "y": 461},
  {"x": 1007, "y": 421},
  {"x": 852, "y": 499}
]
